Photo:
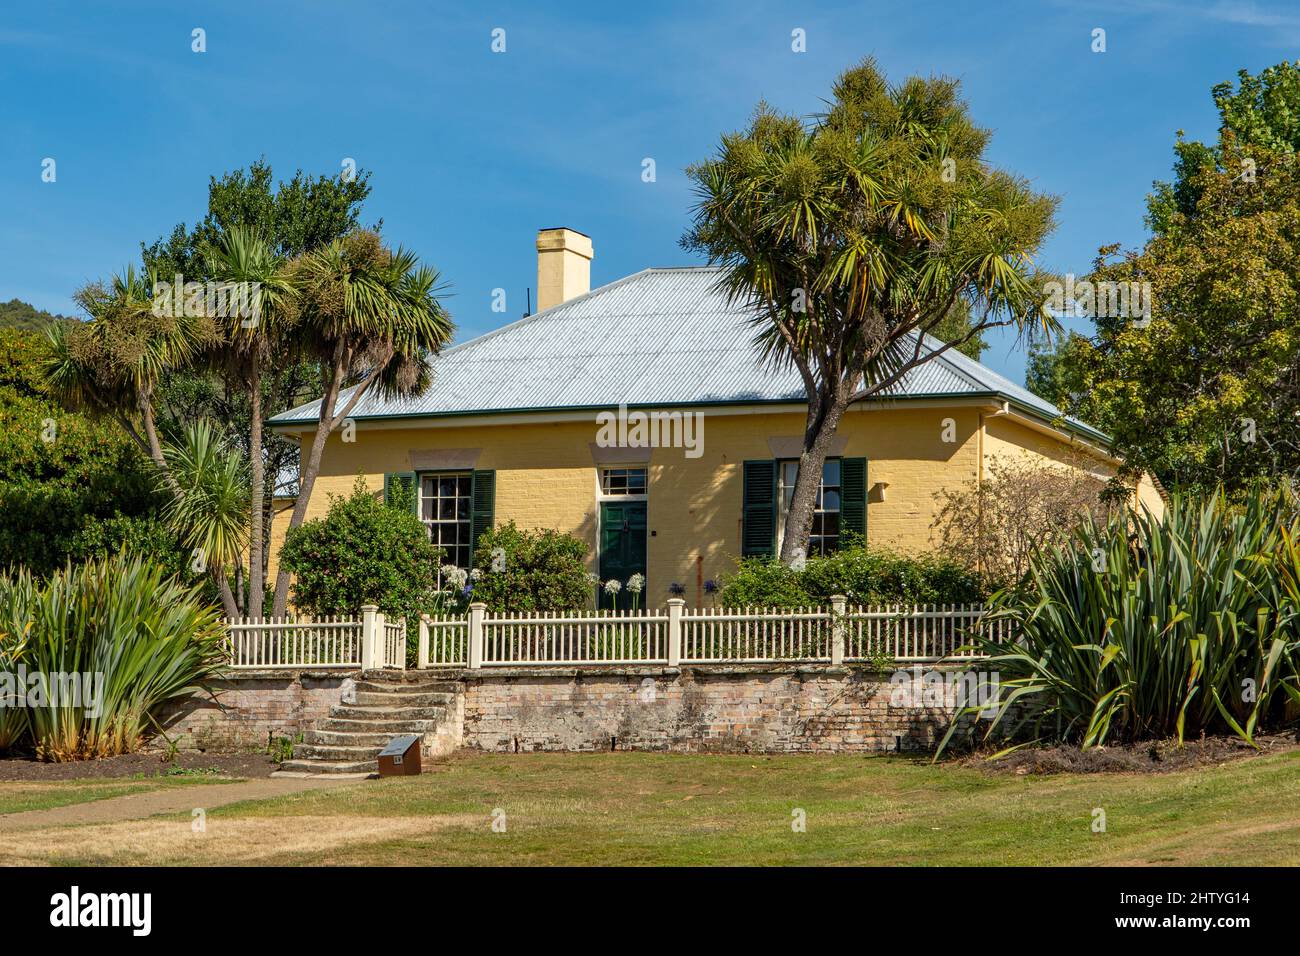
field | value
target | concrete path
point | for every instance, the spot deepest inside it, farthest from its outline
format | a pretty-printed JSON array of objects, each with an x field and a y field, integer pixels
[{"x": 135, "y": 806}]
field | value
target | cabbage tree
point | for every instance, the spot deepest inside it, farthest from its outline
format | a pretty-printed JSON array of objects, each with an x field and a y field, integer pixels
[{"x": 854, "y": 234}]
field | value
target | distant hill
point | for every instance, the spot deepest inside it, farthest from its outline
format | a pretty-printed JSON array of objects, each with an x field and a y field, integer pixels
[{"x": 17, "y": 314}]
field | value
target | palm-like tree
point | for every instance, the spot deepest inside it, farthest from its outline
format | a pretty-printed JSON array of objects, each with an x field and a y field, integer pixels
[
  {"x": 112, "y": 365},
  {"x": 241, "y": 257},
  {"x": 372, "y": 317},
  {"x": 854, "y": 237},
  {"x": 208, "y": 509}
]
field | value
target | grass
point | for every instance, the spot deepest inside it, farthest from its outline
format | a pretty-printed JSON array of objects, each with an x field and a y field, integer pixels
[{"x": 659, "y": 809}]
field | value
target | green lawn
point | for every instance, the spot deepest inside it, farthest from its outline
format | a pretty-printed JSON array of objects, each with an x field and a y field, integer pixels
[{"x": 628, "y": 808}]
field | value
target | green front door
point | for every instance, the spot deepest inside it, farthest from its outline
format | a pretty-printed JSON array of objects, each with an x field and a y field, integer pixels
[{"x": 622, "y": 548}]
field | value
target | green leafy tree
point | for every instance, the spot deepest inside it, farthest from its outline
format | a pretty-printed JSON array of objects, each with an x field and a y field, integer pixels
[
  {"x": 1207, "y": 393},
  {"x": 518, "y": 570},
  {"x": 1260, "y": 111},
  {"x": 1053, "y": 369},
  {"x": 65, "y": 478},
  {"x": 362, "y": 552},
  {"x": 297, "y": 216},
  {"x": 855, "y": 236}
]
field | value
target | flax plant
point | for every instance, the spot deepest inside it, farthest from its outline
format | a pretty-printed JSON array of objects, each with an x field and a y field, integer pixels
[
  {"x": 140, "y": 637},
  {"x": 1153, "y": 627},
  {"x": 17, "y": 594}
]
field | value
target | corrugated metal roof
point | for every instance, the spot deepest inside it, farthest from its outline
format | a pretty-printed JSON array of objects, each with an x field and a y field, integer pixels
[{"x": 658, "y": 337}]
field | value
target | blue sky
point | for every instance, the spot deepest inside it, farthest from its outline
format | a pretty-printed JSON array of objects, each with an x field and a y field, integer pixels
[{"x": 473, "y": 151}]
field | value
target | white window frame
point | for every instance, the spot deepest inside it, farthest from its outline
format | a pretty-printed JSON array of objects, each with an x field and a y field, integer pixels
[
  {"x": 601, "y": 495},
  {"x": 783, "y": 510},
  {"x": 430, "y": 522}
]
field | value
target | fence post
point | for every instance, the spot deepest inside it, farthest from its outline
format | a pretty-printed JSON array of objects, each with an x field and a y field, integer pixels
[
  {"x": 422, "y": 654},
  {"x": 476, "y": 634},
  {"x": 368, "y": 639},
  {"x": 381, "y": 642},
  {"x": 675, "y": 606},
  {"x": 838, "y": 602}
]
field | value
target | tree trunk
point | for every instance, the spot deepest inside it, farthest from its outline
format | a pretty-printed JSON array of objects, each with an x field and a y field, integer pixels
[
  {"x": 227, "y": 596},
  {"x": 823, "y": 419},
  {"x": 258, "y": 472},
  {"x": 307, "y": 477},
  {"x": 145, "y": 404}
]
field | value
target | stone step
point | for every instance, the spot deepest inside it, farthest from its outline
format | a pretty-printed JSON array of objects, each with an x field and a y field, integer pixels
[
  {"x": 390, "y": 727},
  {"x": 313, "y": 767},
  {"x": 366, "y": 698},
  {"x": 333, "y": 753},
  {"x": 347, "y": 738},
  {"x": 358, "y": 712},
  {"x": 408, "y": 687},
  {"x": 443, "y": 675}
]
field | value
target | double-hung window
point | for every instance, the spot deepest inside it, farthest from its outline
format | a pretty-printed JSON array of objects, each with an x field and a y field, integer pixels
[
  {"x": 445, "y": 507},
  {"x": 825, "y": 537}
]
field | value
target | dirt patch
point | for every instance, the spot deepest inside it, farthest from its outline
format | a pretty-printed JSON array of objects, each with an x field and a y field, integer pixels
[
  {"x": 143, "y": 765},
  {"x": 222, "y": 842},
  {"x": 185, "y": 798},
  {"x": 1159, "y": 756}
]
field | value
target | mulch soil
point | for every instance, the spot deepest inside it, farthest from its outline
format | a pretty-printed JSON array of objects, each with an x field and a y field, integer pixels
[
  {"x": 1161, "y": 756},
  {"x": 140, "y": 765}
]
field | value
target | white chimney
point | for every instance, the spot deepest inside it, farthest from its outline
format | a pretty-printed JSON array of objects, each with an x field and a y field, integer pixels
[{"x": 563, "y": 266}]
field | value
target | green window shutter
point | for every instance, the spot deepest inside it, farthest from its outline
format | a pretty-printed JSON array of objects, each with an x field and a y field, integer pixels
[
  {"x": 758, "y": 525},
  {"x": 403, "y": 482},
  {"x": 483, "y": 506},
  {"x": 853, "y": 496}
]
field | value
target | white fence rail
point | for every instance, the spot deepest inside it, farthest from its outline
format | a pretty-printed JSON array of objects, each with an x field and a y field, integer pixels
[
  {"x": 370, "y": 643},
  {"x": 835, "y": 634}
]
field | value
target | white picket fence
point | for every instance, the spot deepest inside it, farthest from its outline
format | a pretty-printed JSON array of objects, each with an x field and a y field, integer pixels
[
  {"x": 367, "y": 643},
  {"x": 835, "y": 634}
]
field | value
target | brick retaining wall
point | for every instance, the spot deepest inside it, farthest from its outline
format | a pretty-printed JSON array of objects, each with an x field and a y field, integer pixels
[
  {"x": 738, "y": 709},
  {"x": 252, "y": 709}
]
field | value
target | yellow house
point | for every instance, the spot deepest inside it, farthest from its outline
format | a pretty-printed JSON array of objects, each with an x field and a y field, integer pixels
[{"x": 638, "y": 417}]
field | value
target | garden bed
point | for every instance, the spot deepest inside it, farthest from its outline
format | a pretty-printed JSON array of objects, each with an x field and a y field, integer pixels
[
  {"x": 1160, "y": 756},
  {"x": 141, "y": 765}
]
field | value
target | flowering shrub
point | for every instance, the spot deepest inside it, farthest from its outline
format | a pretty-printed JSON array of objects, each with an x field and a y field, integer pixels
[
  {"x": 517, "y": 570},
  {"x": 362, "y": 552}
]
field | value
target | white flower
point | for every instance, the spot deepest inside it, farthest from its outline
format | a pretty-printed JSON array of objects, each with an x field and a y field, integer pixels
[
  {"x": 475, "y": 574},
  {"x": 593, "y": 578},
  {"x": 453, "y": 576},
  {"x": 636, "y": 583},
  {"x": 612, "y": 586}
]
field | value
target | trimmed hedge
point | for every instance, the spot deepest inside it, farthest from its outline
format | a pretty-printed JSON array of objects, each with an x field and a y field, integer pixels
[{"x": 863, "y": 575}]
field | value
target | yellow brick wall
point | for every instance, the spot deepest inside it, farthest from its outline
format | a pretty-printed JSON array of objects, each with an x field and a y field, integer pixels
[
  {"x": 1007, "y": 439},
  {"x": 546, "y": 477}
]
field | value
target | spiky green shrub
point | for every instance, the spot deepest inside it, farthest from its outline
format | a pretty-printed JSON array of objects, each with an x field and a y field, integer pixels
[
  {"x": 151, "y": 638},
  {"x": 1146, "y": 627},
  {"x": 17, "y": 594}
]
